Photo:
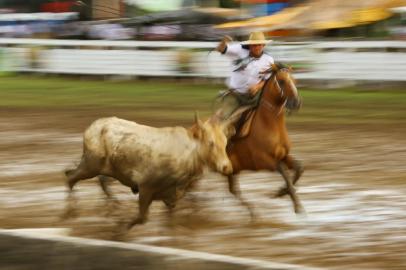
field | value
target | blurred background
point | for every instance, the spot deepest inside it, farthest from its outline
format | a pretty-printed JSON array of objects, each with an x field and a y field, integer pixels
[
  {"x": 64, "y": 64},
  {"x": 179, "y": 20},
  {"x": 320, "y": 39}
]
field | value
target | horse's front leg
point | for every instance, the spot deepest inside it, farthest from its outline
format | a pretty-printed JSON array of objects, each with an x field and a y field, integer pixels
[
  {"x": 234, "y": 188},
  {"x": 284, "y": 171},
  {"x": 297, "y": 167}
]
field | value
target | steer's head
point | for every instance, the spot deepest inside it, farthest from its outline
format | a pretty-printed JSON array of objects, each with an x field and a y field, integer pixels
[{"x": 212, "y": 142}]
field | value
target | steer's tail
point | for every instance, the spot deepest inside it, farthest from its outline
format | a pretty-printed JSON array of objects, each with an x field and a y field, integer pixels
[{"x": 82, "y": 172}]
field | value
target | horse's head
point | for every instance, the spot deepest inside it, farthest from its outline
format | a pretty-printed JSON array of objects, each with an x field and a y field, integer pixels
[{"x": 285, "y": 86}]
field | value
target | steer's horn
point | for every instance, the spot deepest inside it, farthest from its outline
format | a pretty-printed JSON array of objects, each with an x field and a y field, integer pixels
[
  {"x": 196, "y": 117},
  {"x": 198, "y": 122}
]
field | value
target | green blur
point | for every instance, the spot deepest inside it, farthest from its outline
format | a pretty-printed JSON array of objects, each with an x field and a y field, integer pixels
[{"x": 178, "y": 99}]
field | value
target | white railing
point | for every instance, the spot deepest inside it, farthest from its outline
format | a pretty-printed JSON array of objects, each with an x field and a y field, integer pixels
[{"x": 361, "y": 60}]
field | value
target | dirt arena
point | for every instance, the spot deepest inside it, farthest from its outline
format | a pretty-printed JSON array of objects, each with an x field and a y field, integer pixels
[{"x": 353, "y": 190}]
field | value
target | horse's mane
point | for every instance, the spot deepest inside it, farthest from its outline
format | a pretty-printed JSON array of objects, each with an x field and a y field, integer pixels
[
  {"x": 280, "y": 66},
  {"x": 277, "y": 66}
]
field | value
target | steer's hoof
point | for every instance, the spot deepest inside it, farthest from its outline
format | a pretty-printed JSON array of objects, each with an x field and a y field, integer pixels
[
  {"x": 69, "y": 214},
  {"x": 253, "y": 217},
  {"x": 110, "y": 207}
]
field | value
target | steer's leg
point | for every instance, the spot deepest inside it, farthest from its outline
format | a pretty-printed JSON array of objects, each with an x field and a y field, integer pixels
[
  {"x": 297, "y": 167},
  {"x": 144, "y": 201},
  {"x": 111, "y": 200},
  {"x": 283, "y": 170},
  {"x": 103, "y": 182},
  {"x": 74, "y": 176},
  {"x": 234, "y": 188},
  {"x": 170, "y": 206},
  {"x": 82, "y": 172}
]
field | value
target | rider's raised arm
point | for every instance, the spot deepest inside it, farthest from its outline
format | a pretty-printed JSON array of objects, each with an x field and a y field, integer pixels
[
  {"x": 233, "y": 50},
  {"x": 222, "y": 46}
]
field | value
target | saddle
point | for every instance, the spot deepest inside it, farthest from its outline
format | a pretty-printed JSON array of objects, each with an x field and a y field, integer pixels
[
  {"x": 243, "y": 125},
  {"x": 243, "y": 115}
]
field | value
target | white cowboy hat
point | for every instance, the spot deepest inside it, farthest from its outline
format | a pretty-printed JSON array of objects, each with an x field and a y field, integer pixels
[{"x": 256, "y": 38}]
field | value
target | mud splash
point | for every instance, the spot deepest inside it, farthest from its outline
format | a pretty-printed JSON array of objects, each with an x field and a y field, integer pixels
[{"x": 353, "y": 191}]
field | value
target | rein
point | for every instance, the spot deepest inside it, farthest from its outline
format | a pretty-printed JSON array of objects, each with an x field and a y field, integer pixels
[{"x": 266, "y": 103}]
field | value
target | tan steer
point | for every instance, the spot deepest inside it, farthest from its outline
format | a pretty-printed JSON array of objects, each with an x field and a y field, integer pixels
[{"x": 160, "y": 163}]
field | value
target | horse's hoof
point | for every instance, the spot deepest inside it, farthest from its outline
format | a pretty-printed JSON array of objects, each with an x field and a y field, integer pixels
[
  {"x": 282, "y": 192},
  {"x": 135, "y": 222},
  {"x": 130, "y": 225},
  {"x": 119, "y": 233},
  {"x": 121, "y": 222},
  {"x": 300, "y": 211}
]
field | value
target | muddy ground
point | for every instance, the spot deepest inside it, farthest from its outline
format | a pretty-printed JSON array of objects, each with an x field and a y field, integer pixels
[{"x": 353, "y": 190}]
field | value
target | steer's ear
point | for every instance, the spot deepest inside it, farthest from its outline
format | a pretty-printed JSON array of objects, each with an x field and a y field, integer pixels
[{"x": 198, "y": 127}]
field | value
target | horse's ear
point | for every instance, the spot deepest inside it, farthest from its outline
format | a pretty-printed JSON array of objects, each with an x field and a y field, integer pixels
[
  {"x": 280, "y": 65},
  {"x": 275, "y": 67}
]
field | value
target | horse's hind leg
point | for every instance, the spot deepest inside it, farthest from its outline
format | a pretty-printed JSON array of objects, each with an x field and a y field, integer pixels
[
  {"x": 297, "y": 167},
  {"x": 234, "y": 188},
  {"x": 283, "y": 170}
]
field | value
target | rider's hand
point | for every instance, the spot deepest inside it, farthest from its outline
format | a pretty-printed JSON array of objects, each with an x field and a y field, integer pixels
[
  {"x": 253, "y": 89},
  {"x": 227, "y": 39},
  {"x": 223, "y": 44},
  {"x": 256, "y": 87},
  {"x": 266, "y": 70}
]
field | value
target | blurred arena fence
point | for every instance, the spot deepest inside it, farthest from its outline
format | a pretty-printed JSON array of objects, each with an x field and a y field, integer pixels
[{"x": 344, "y": 60}]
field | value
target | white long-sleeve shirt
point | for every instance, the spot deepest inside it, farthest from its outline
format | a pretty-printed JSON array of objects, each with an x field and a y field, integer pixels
[{"x": 246, "y": 69}]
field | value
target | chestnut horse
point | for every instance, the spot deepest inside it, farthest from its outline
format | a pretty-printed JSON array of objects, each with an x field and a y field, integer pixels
[{"x": 267, "y": 145}]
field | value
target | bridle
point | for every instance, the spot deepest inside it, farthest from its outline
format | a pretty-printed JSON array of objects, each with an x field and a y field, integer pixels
[{"x": 281, "y": 90}]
